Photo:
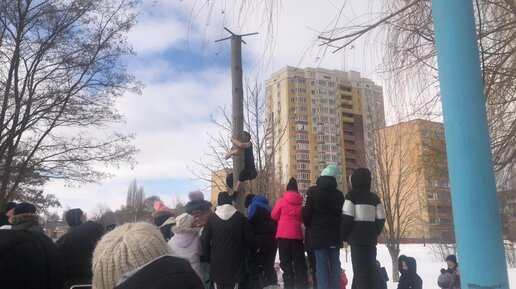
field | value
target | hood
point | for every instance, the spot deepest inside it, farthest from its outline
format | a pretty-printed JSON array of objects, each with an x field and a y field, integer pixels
[
  {"x": 262, "y": 201},
  {"x": 183, "y": 237},
  {"x": 361, "y": 179},
  {"x": 411, "y": 264},
  {"x": 293, "y": 198},
  {"x": 197, "y": 206},
  {"x": 327, "y": 183},
  {"x": 22, "y": 218},
  {"x": 225, "y": 211}
]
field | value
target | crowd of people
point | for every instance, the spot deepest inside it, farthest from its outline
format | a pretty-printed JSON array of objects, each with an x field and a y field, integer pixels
[{"x": 220, "y": 247}]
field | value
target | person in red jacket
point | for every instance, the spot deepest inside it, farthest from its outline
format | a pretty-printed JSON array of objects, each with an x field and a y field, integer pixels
[{"x": 287, "y": 213}]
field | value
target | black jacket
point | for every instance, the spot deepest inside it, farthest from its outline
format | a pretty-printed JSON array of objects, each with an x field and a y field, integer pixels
[
  {"x": 76, "y": 248},
  {"x": 322, "y": 213},
  {"x": 163, "y": 273},
  {"x": 259, "y": 215},
  {"x": 225, "y": 238},
  {"x": 29, "y": 260},
  {"x": 409, "y": 279},
  {"x": 363, "y": 216}
]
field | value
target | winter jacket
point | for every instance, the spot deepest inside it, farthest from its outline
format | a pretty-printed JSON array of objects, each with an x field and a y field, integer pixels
[
  {"x": 363, "y": 216},
  {"x": 26, "y": 222},
  {"x": 226, "y": 237},
  {"x": 162, "y": 273},
  {"x": 76, "y": 249},
  {"x": 29, "y": 260},
  {"x": 409, "y": 279},
  {"x": 200, "y": 210},
  {"x": 455, "y": 283},
  {"x": 287, "y": 213},
  {"x": 186, "y": 244},
  {"x": 259, "y": 215},
  {"x": 322, "y": 213}
]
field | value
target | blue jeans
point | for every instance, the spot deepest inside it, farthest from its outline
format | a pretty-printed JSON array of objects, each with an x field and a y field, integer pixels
[{"x": 327, "y": 264}]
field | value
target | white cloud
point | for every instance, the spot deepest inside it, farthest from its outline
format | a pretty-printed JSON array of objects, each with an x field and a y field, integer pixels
[{"x": 171, "y": 117}]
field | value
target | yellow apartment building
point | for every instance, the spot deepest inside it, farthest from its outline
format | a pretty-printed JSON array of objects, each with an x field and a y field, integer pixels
[
  {"x": 320, "y": 117},
  {"x": 412, "y": 174}
]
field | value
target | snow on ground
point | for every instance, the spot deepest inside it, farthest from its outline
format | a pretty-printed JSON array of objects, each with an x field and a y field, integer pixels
[{"x": 427, "y": 264}]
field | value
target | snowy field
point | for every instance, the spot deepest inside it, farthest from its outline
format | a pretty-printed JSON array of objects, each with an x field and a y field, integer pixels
[{"x": 427, "y": 265}]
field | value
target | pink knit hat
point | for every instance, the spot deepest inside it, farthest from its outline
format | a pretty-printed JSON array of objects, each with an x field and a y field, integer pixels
[{"x": 159, "y": 206}]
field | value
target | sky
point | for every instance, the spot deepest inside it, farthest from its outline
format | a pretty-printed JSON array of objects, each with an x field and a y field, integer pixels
[{"x": 187, "y": 76}]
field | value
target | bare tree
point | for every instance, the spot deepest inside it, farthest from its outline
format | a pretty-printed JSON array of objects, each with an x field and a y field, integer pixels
[
  {"x": 264, "y": 145},
  {"x": 397, "y": 177},
  {"x": 135, "y": 204},
  {"x": 59, "y": 78}
]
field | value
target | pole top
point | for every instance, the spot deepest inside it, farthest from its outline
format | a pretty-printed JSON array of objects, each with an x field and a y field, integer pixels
[{"x": 235, "y": 35}]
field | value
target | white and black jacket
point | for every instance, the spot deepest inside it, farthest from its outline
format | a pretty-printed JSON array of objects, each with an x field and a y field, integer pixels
[{"x": 363, "y": 216}]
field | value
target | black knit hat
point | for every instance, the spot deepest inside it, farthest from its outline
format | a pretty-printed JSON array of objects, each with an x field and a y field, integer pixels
[
  {"x": 24, "y": 208},
  {"x": 361, "y": 179},
  {"x": 73, "y": 217},
  {"x": 249, "y": 200},
  {"x": 224, "y": 199},
  {"x": 452, "y": 258},
  {"x": 9, "y": 206},
  {"x": 292, "y": 185}
]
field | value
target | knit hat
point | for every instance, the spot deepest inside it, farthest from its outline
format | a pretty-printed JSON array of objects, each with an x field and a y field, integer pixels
[
  {"x": 159, "y": 206},
  {"x": 124, "y": 249},
  {"x": 73, "y": 217},
  {"x": 248, "y": 200},
  {"x": 452, "y": 258},
  {"x": 224, "y": 199},
  {"x": 332, "y": 171},
  {"x": 24, "y": 208},
  {"x": 184, "y": 221},
  {"x": 292, "y": 185},
  {"x": 9, "y": 206},
  {"x": 196, "y": 196}
]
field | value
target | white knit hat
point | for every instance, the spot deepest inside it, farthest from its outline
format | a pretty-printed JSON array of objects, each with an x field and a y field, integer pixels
[
  {"x": 184, "y": 221},
  {"x": 124, "y": 249}
]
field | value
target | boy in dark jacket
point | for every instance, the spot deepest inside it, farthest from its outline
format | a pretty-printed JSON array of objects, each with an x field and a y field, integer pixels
[
  {"x": 264, "y": 228},
  {"x": 409, "y": 278},
  {"x": 322, "y": 215},
  {"x": 363, "y": 218},
  {"x": 249, "y": 171},
  {"x": 226, "y": 238},
  {"x": 76, "y": 247}
]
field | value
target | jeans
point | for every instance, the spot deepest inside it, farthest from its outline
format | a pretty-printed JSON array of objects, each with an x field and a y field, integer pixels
[{"x": 327, "y": 268}]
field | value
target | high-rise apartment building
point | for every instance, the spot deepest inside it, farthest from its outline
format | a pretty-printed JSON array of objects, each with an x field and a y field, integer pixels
[
  {"x": 319, "y": 117},
  {"x": 412, "y": 173}
]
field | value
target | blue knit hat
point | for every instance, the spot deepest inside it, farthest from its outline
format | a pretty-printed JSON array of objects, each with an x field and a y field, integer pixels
[{"x": 332, "y": 171}]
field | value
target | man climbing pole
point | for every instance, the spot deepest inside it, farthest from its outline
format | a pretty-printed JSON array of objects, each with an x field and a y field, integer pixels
[{"x": 249, "y": 170}]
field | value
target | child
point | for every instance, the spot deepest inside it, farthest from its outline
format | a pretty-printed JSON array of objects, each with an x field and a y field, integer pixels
[
  {"x": 409, "y": 278},
  {"x": 249, "y": 171},
  {"x": 185, "y": 243},
  {"x": 287, "y": 213}
]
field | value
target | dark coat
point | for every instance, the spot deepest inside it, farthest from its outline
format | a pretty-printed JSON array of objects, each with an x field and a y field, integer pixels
[
  {"x": 159, "y": 219},
  {"x": 163, "y": 273},
  {"x": 322, "y": 213},
  {"x": 200, "y": 210},
  {"x": 226, "y": 237},
  {"x": 76, "y": 248},
  {"x": 363, "y": 216},
  {"x": 29, "y": 260},
  {"x": 409, "y": 279}
]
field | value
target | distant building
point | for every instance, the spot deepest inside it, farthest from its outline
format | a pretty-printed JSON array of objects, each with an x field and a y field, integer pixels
[
  {"x": 412, "y": 167},
  {"x": 218, "y": 184},
  {"x": 320, "y": 117}
]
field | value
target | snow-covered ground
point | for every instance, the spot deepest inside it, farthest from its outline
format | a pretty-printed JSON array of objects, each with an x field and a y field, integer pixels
[{"x": 427, "y": 264}]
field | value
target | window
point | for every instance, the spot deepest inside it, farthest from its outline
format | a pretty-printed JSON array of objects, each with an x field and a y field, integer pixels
[{"x": 302, "y": 146}]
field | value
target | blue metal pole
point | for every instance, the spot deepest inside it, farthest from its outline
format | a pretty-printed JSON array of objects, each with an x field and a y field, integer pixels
[{"x": 475, "y": 204}]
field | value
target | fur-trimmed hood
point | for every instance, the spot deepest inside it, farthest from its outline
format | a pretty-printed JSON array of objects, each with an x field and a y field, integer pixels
[{"x": 22, "y": 218}]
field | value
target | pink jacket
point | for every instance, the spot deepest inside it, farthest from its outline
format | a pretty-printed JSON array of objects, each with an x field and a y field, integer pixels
[{"x": 287, "y": 213}]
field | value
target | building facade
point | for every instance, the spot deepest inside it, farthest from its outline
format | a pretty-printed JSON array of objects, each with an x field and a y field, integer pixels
[
  {"x": 412, "y": 173},
  {"x": 317, "y": 118}
]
